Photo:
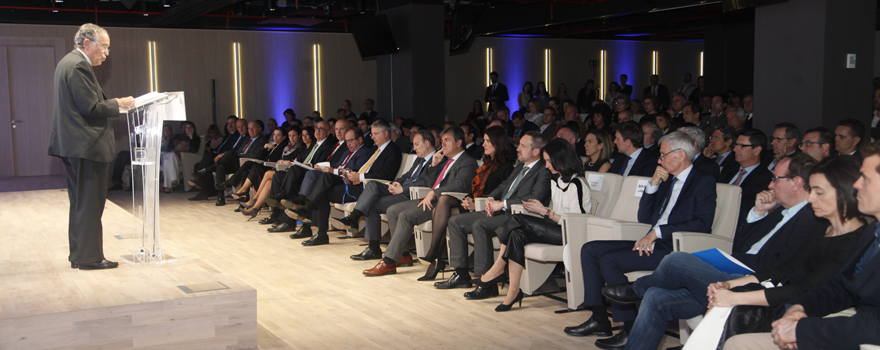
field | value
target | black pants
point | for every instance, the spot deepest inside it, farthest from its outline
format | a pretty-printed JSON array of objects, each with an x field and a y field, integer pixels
[
  {"x": 87, "y": 182},
  {"x": 523, "y": 229}
]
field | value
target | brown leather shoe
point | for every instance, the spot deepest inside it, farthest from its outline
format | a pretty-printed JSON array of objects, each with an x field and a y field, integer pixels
[
  {"x": 406, "y": 260},
  {"x": 381, "y": 269}
]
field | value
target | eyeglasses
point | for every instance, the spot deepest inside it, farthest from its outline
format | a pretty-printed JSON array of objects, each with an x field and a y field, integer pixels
[
  {"x": 810, "y": 143},
  {"x": 106, "y": 50},
  {"x": 777, "y": 178},
  {"x": 350, "y": 140},
  {"x": 668, "y": 153},
  {"x": 322, "y": 129},
  {"x": 743, "y": 145},
  {"x": 781, "y": 138}
]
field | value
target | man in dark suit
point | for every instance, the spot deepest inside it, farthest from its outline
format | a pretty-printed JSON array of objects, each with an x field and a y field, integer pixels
[
  {"x": 856, "y": 285},
  {"x": 661, "y": 91},
  {"x": 818, "y": 143},
  {"x": 678, "y": 198},
  {"x": 625, "y": 88},
  {"x": 470, "y": 145},
  {"x": 228, "y": 163},
  {"x": 632, "y": 159},
  {"x": 378, "y": 197},
  {"x": 355, "y": 155},
  {"x": 230, "y": 141},
  {"x": 678, "y": 286},
  {"x": 369, "y": 113},
  {"x": 748, "y": 173},
  {"x": 364, "y": 124},
  {"x": 529, "y": 180},
  {"x": 496, "y": 91},
  {"x": 785, "y": 141},
  {"x": 748, "y": 106},
  {"x": 519, "y": 126},
  {"x": 549, "y": 125},
  {"x": 397, "y": 136},
  {"x": 721, "y": 144},
  {"x": 702, "y": 163},
  {"x": 82, "y": 135},
  {"x": 716, "y": 116},
  {"x": 382, "y": 164},
  {"x": 454, "y": 171}
]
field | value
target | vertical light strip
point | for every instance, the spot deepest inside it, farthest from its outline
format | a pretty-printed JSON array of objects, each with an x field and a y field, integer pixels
[
  {"x": 488, "y": 65},
  {"x": 654, "y": 63},
  {"x": 316, "y": 73},
  {"x": 154, "y": 81},
  {"x": 236, "y": 67},
  {"x": 547, "y": 83},
  {"x": 602, "y": 61},
  {"x": 701, "y": 63}
]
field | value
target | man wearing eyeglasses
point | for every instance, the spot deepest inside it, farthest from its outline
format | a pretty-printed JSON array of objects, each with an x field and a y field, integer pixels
[
  {"x": 82, "y": 135},
  {"x": 750, "y": 176},
  {"x": 721, "y": 143},
  {"x": 678, "y": 102},
  {"x": 785, "y": 143},
  {"x": 818, "y": 143}
]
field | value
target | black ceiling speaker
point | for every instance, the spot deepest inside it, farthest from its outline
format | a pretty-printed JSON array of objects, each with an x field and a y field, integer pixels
[
  {"x": 465, "y": 19},
  {"x": 373, "y": 36}
]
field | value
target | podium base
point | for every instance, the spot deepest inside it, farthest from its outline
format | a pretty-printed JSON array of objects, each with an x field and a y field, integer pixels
[{"x": 147, "y": 259}]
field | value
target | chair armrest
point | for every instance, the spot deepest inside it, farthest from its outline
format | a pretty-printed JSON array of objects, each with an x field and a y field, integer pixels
[
  {"x": 241, "y": 161},
  {"x": 416, "y": 192},
  {"x": 692, "y": 242},
  {"x": 480, "y": 203},
  {"x": 270, "y": 164},
  {"x": 457, "y": 195},
  {"x": 377, "y": 180},
  {"x": 630, "y": 231},
  {"x": 281, "y": 167}
]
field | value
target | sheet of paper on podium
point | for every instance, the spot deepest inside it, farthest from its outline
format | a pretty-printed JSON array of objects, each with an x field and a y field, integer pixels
[{"x": 175, "y": 107}]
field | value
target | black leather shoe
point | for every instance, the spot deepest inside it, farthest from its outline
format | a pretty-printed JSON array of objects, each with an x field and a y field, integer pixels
[
  {"x": 101, "y": 265},
  {"x": 268, "y": 220},
  {"x": 198, "y": 197},
  {"x": 591, "y": 327},
  {"x": 299, "y": 214},
  {"x": 456, "y": 281},
  {"x": 621, "y": 293},
  {"x": 320, "y": 238},
  {"x": 482, "y": 292},
  {"x": 221, "y": 200},
  {"x": 74, "y": 265},
  {"x": 367, "y": 254},
  {"x": 618, "y": 341},
  {"x": 284, "y": 227},
  {"x": 305, "y": 231},
  {"x": 343, "y": 223}
]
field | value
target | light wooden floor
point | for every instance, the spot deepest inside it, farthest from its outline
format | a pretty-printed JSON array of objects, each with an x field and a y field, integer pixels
[{"x": 316, "y": 297}]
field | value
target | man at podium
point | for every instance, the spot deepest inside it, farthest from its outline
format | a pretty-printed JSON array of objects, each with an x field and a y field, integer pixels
[{"x": 82, "y": 135}]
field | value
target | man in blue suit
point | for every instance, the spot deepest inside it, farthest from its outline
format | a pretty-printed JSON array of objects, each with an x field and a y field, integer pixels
[
  {"x": 633, "y": 159},
  {"x": 679, "y": 198}
]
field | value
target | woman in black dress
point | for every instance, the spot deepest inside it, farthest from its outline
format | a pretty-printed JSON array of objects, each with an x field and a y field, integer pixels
[{"x": 598, "y": 148}]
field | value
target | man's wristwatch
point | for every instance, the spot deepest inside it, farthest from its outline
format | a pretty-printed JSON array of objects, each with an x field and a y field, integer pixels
[{"x": 547, "y": 214}]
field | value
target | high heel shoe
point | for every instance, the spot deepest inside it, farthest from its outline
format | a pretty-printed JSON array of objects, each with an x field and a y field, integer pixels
[
  {"x": 252, "y": 212},
  {"x": 500, "y": 279},
  {"x": 436, "y": 266},
  {"x": 506, "y": 307},
  {"x": 241, "y": 197}
]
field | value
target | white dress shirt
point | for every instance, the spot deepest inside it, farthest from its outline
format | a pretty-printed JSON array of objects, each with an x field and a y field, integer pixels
[
  {"x": 787, "y": 214},
  {"x": 676, "y": 191},
  {"x": 632, "y": 160},
  {"x": 531, "y": 167},
  {"x": 748, "y": 171},
  {"x": 381, "y": 148}
]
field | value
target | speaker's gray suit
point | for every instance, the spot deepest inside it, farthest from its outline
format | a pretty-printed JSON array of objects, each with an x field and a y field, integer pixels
[
  {"x": 82, "y": 135},
  {"x": 534, "y": 185}
]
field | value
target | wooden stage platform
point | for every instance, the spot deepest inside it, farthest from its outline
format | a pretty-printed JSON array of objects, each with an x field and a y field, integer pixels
[{"x": 280, "y": 294}]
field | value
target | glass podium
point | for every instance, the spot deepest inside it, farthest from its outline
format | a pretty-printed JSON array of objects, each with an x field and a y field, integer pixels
[{"x": 145, "y": 122}]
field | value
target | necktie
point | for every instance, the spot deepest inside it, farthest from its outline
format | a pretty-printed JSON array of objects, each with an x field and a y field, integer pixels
[
  {"x": 311, "y": 154},
  {"x": 668, "y": 196},
  {"x": 622, "y": 171},
  {"x": 515, "y": 183},
  {"x": 654, "y": 90},
  {"x": 493, "y": 88},
  {"x": 416, "y": 171},
  {"x": 370, "y": 161},
  {"x": 442, "y": 174},
  {"x": 719, "y": 159},
  {"x": 739, "y": 179},
  {"x": 334, "y": 151},
  {"x": 243, "y": 151},
  {"x": 870, "y": 253},
  {"x": 345, "y": 161}
]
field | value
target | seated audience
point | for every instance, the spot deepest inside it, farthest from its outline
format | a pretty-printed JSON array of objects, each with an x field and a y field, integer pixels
[
  {"x": 678, "y": 198},
  {"x": 597, "y": 147},
  {"x": 497, "y": 166},
  {"x": 721, "y": 147},
  {"x": 187, "y": 141},
  {"x": 786, "y": 138},
  {"x": 633, "y": 159},
  {"x": 228, "y": 163},
  {"x": 701, "y": 162},
  {"x": 651, "y": 134},
  {"x": 818, "y": 143},
  {"x": 569, "y": 193},
  {"x": 749, "y": 175},
  {"x": 470, "y": 146},
  {"x": 848, "y": 135},
  {"x": 456, "y": 170}
]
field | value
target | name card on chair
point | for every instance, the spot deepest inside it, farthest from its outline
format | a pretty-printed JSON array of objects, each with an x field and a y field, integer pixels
[
  {"x": 640, "y": 189},
  {"x": 595, "y": 181}
]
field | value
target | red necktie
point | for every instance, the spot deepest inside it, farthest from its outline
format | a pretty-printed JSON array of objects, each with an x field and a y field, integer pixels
[
  {"x": 442, "y": 174},
  {"x": 739, "y": 179},
  {"x": 346, "y": 160},
  {"x": 243, "y": 151},
  {"x": 334, "y": 151}
]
